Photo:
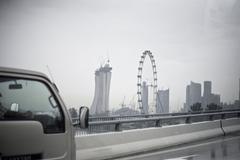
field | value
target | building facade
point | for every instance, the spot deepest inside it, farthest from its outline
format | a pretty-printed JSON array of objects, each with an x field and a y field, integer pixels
[
  {"x": 100, "y": 104},
  {"x": 208, "y": 96},
  {"x": 187, "y": 103},
  {"x": 193, "y": 95},
  {"x": 163, "y": 101},
  {"x": 145, "y": 97},
  {"x": 215, "y": 99}
]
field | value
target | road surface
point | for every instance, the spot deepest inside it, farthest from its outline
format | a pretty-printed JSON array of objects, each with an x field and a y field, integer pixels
[{"x": 221, "y": 148}]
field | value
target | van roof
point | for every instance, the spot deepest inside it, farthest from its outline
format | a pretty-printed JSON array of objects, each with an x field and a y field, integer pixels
[{"x": 23, "y": 71}]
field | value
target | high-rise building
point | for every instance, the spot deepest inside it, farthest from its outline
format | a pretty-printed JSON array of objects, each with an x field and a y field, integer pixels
[
  {"x": 193, "y": 95},
  {"x": 207, "y": 88},
  {"x": 214, "y": 99},
  {"x": 145, "y": 97},
  {"x": 187, "y": 104},
  {"x": 100, "y": 104},
  {"x": 207, "y": 94},
  {"x": 163, "y": 101}
]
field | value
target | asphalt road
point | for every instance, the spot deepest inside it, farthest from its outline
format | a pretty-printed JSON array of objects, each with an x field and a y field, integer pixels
[{"x": 221, "y": 148}]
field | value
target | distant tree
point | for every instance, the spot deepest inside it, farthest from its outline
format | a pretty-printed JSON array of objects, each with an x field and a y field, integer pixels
[
  {"x": 73, "y": 112},
  {"x": 213, "y": 107},
  {"x": 196, "y": 107}
]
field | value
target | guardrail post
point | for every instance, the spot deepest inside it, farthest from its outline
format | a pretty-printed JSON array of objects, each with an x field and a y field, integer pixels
[
  {"x": 188, "y": 120},
  {"x": 117, "y": 127},
  {"x": 146, "y": 116},
  {"x": 211, "y": 117},
  {"x": 158, "y": 123},
  {"x": 223, "y": 116}
]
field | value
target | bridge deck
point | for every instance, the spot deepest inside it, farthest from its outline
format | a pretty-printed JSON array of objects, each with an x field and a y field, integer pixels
[{"x": 220, "y": 148}]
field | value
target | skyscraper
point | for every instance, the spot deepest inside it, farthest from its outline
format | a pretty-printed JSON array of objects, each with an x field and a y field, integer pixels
[
  {"x": 207, "y": 88},
  {"x": 145, "y": 97},
  {"x": 215, "y": 99},
  {"x": 193, "y": 95},
  {"x": 207, "y": 94},
  {"x": 100, "y": 104},
  {"x": 163, "y": 101},
  {"x": 187, "y": 104}
]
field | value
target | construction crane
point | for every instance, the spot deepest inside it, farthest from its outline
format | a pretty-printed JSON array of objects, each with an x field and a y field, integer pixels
[{"x": 123, "y": 102}]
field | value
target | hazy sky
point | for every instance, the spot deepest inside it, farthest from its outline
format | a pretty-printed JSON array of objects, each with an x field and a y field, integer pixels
[{"x": 190, "y": 39}]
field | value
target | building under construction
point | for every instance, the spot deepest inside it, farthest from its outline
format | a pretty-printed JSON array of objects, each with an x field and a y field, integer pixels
[{"x": 100, "y": 104}]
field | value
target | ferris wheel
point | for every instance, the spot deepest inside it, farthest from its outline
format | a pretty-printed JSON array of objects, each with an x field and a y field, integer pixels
[{"x": 139, "y": 79}]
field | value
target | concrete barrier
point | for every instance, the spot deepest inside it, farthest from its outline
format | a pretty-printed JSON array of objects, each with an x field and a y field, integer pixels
[
  {"x": 231, "y": 125},
  {"x": 110, "y": 145}
]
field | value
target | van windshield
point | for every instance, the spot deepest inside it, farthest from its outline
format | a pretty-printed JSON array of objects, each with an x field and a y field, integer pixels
[{"x": 24, "y": 99}]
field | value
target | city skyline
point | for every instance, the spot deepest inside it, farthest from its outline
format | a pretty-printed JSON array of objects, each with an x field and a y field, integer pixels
[
  {"x": 195, "y": 93},
  {"x": 188, "y": 43}
]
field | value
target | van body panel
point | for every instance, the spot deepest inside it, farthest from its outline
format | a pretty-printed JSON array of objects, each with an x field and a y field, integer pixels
[{"x": 27, "y": 137}]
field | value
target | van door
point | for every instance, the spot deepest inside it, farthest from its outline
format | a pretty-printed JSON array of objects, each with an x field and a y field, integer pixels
[{"x": 32, "y": 123}]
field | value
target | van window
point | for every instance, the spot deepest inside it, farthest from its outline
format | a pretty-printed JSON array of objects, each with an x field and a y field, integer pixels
[{"x": 24, "y": 99}]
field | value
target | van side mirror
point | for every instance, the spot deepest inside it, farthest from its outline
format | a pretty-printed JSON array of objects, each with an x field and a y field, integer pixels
[{"x": 83, "y": 117}]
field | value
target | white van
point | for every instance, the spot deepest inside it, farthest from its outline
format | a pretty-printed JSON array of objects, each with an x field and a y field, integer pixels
[{"x": 34, "y": 122}]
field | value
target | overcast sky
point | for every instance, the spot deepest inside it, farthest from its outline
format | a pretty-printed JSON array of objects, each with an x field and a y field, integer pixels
[{"x": 190, "y": 39}]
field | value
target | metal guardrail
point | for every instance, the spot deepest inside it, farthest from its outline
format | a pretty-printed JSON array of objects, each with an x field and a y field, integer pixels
[
  {"x": 156, "y": 120},
  {"x": 119, "y": 117}
]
